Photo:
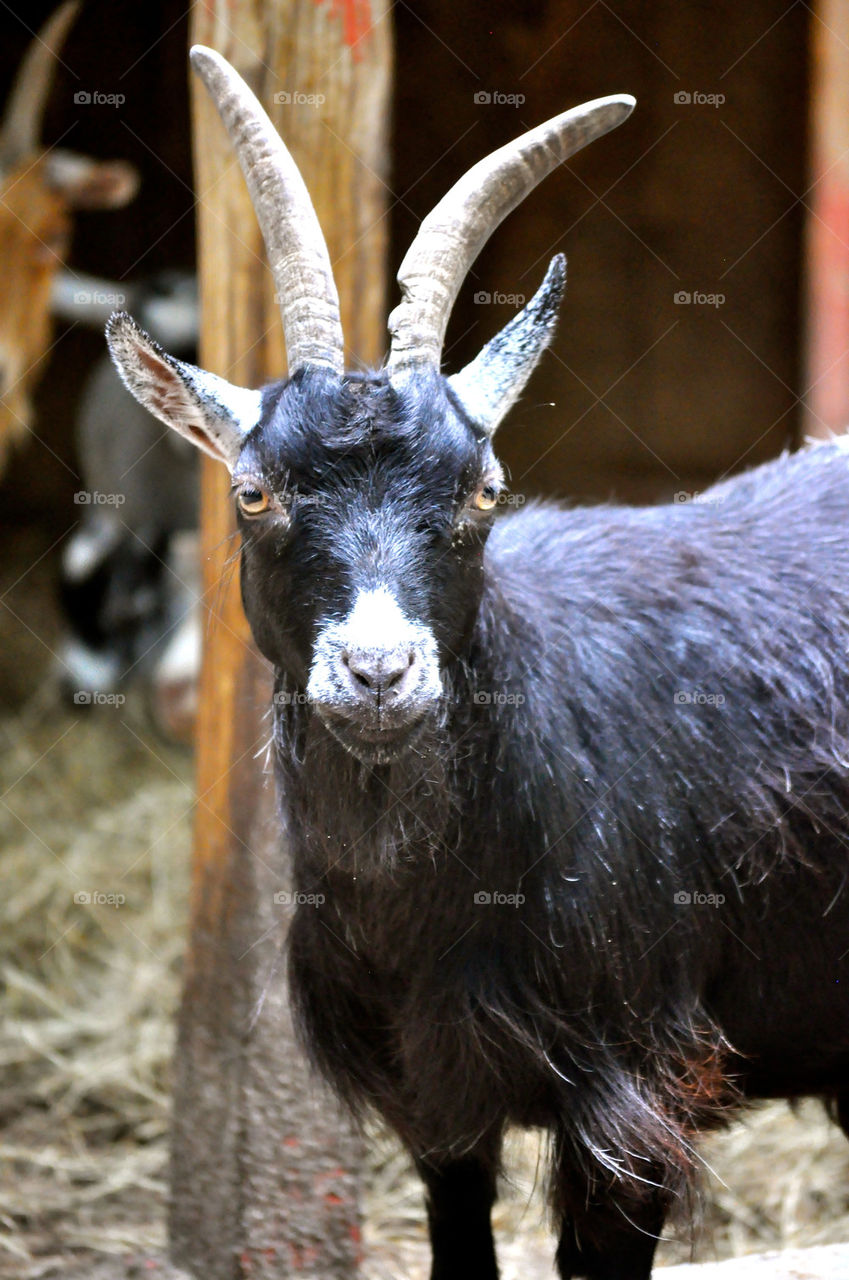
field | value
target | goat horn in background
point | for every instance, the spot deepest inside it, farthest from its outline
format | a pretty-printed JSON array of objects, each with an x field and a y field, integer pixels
[
  {"x": 453, "y": 234},
  {"x": 297, "y": 252},
  {"x": 20, "y": 132}
]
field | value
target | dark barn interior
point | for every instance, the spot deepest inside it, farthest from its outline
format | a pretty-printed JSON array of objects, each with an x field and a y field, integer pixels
[{"x": 679, "y": 359}]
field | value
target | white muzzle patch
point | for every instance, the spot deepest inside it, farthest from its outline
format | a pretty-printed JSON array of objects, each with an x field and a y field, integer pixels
[{"x": 376, "y": 668}]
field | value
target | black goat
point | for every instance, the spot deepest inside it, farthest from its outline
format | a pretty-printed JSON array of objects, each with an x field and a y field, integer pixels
[{"x": 565, "y": 790}]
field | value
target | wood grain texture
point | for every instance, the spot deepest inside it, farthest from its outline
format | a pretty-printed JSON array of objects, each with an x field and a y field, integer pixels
[
  {"x": 264, "y": 1167},
  {"x": 827, "y": 225}
]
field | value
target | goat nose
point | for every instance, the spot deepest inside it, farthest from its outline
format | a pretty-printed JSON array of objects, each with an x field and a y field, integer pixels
[{"x": 377, "y": 671}]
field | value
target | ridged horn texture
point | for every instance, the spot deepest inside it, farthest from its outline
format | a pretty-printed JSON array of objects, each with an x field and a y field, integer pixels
[
  {"x": 20, "y": 132},
  {"x": 495, "y": 379},
  {"x": 453, "y": 234},
  {"x": 297, "y": 253}
]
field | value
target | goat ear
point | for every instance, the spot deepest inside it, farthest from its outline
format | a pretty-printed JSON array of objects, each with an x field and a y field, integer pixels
[
  {"x": 91, "y": 184},
  {"x": 495, "y": 379},
  {"x": 212, "y": 413}
]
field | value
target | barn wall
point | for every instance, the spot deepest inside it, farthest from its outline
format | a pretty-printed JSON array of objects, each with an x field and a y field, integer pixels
[{"x": 683, "y": 197}]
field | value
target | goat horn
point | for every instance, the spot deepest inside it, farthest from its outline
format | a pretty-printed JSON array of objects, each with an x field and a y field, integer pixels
[
  {"x": 20, "y": 132},
  {"x": 297, "y": 253},
  {"x": 453, "y": 234}
]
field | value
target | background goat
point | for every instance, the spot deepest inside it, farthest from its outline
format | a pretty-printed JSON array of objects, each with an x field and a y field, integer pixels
[
  {"x": 129, "y": 573},
  {"x": 565, "y": 789},
  {"x": 38, "y": 192}
]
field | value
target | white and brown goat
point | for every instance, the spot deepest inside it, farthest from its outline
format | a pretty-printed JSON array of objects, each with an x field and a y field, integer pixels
[{"x": 39, "y": 191}]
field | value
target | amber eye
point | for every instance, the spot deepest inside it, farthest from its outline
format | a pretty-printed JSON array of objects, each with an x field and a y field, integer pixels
[
  {"x": 486, "y": 496},
  {"x": 253, "y": 501}
]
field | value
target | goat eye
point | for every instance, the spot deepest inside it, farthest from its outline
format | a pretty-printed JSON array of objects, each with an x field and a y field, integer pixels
[
  {"x": 253, "y": 501},
  {"x": 486, "y": 496}
]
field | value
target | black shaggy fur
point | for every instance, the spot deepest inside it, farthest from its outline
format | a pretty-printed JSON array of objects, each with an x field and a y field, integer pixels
[{"x": 641, "y": 755}]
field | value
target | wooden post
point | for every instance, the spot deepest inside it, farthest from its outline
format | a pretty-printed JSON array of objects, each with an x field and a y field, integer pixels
[
  {"x": 264, "y": 1168},
  {"x": 827, "y": 230}
]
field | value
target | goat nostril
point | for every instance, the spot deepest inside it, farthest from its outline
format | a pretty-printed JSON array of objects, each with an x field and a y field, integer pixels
[
  {"x": 357, "y": 671},
  {"x": 394, "y": 677},
  {"x": 377, "y": 674}
]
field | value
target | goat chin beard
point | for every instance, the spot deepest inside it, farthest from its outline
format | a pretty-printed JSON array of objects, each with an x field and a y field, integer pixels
[{"x": 377, "y": 746}]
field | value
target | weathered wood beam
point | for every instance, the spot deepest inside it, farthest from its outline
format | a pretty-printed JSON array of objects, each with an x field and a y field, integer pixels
[{"x": 827, "y": 230}]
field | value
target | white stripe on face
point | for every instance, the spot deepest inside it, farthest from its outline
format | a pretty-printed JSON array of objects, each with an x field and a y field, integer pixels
[{"x": 377, "y": 621}]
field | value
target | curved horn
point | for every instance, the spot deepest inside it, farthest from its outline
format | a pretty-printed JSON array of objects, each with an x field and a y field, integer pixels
[
  {"x": 20, "y": 131},
  {"x": 453, "y": 234},
  {"x": 297, "y": 253}
]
